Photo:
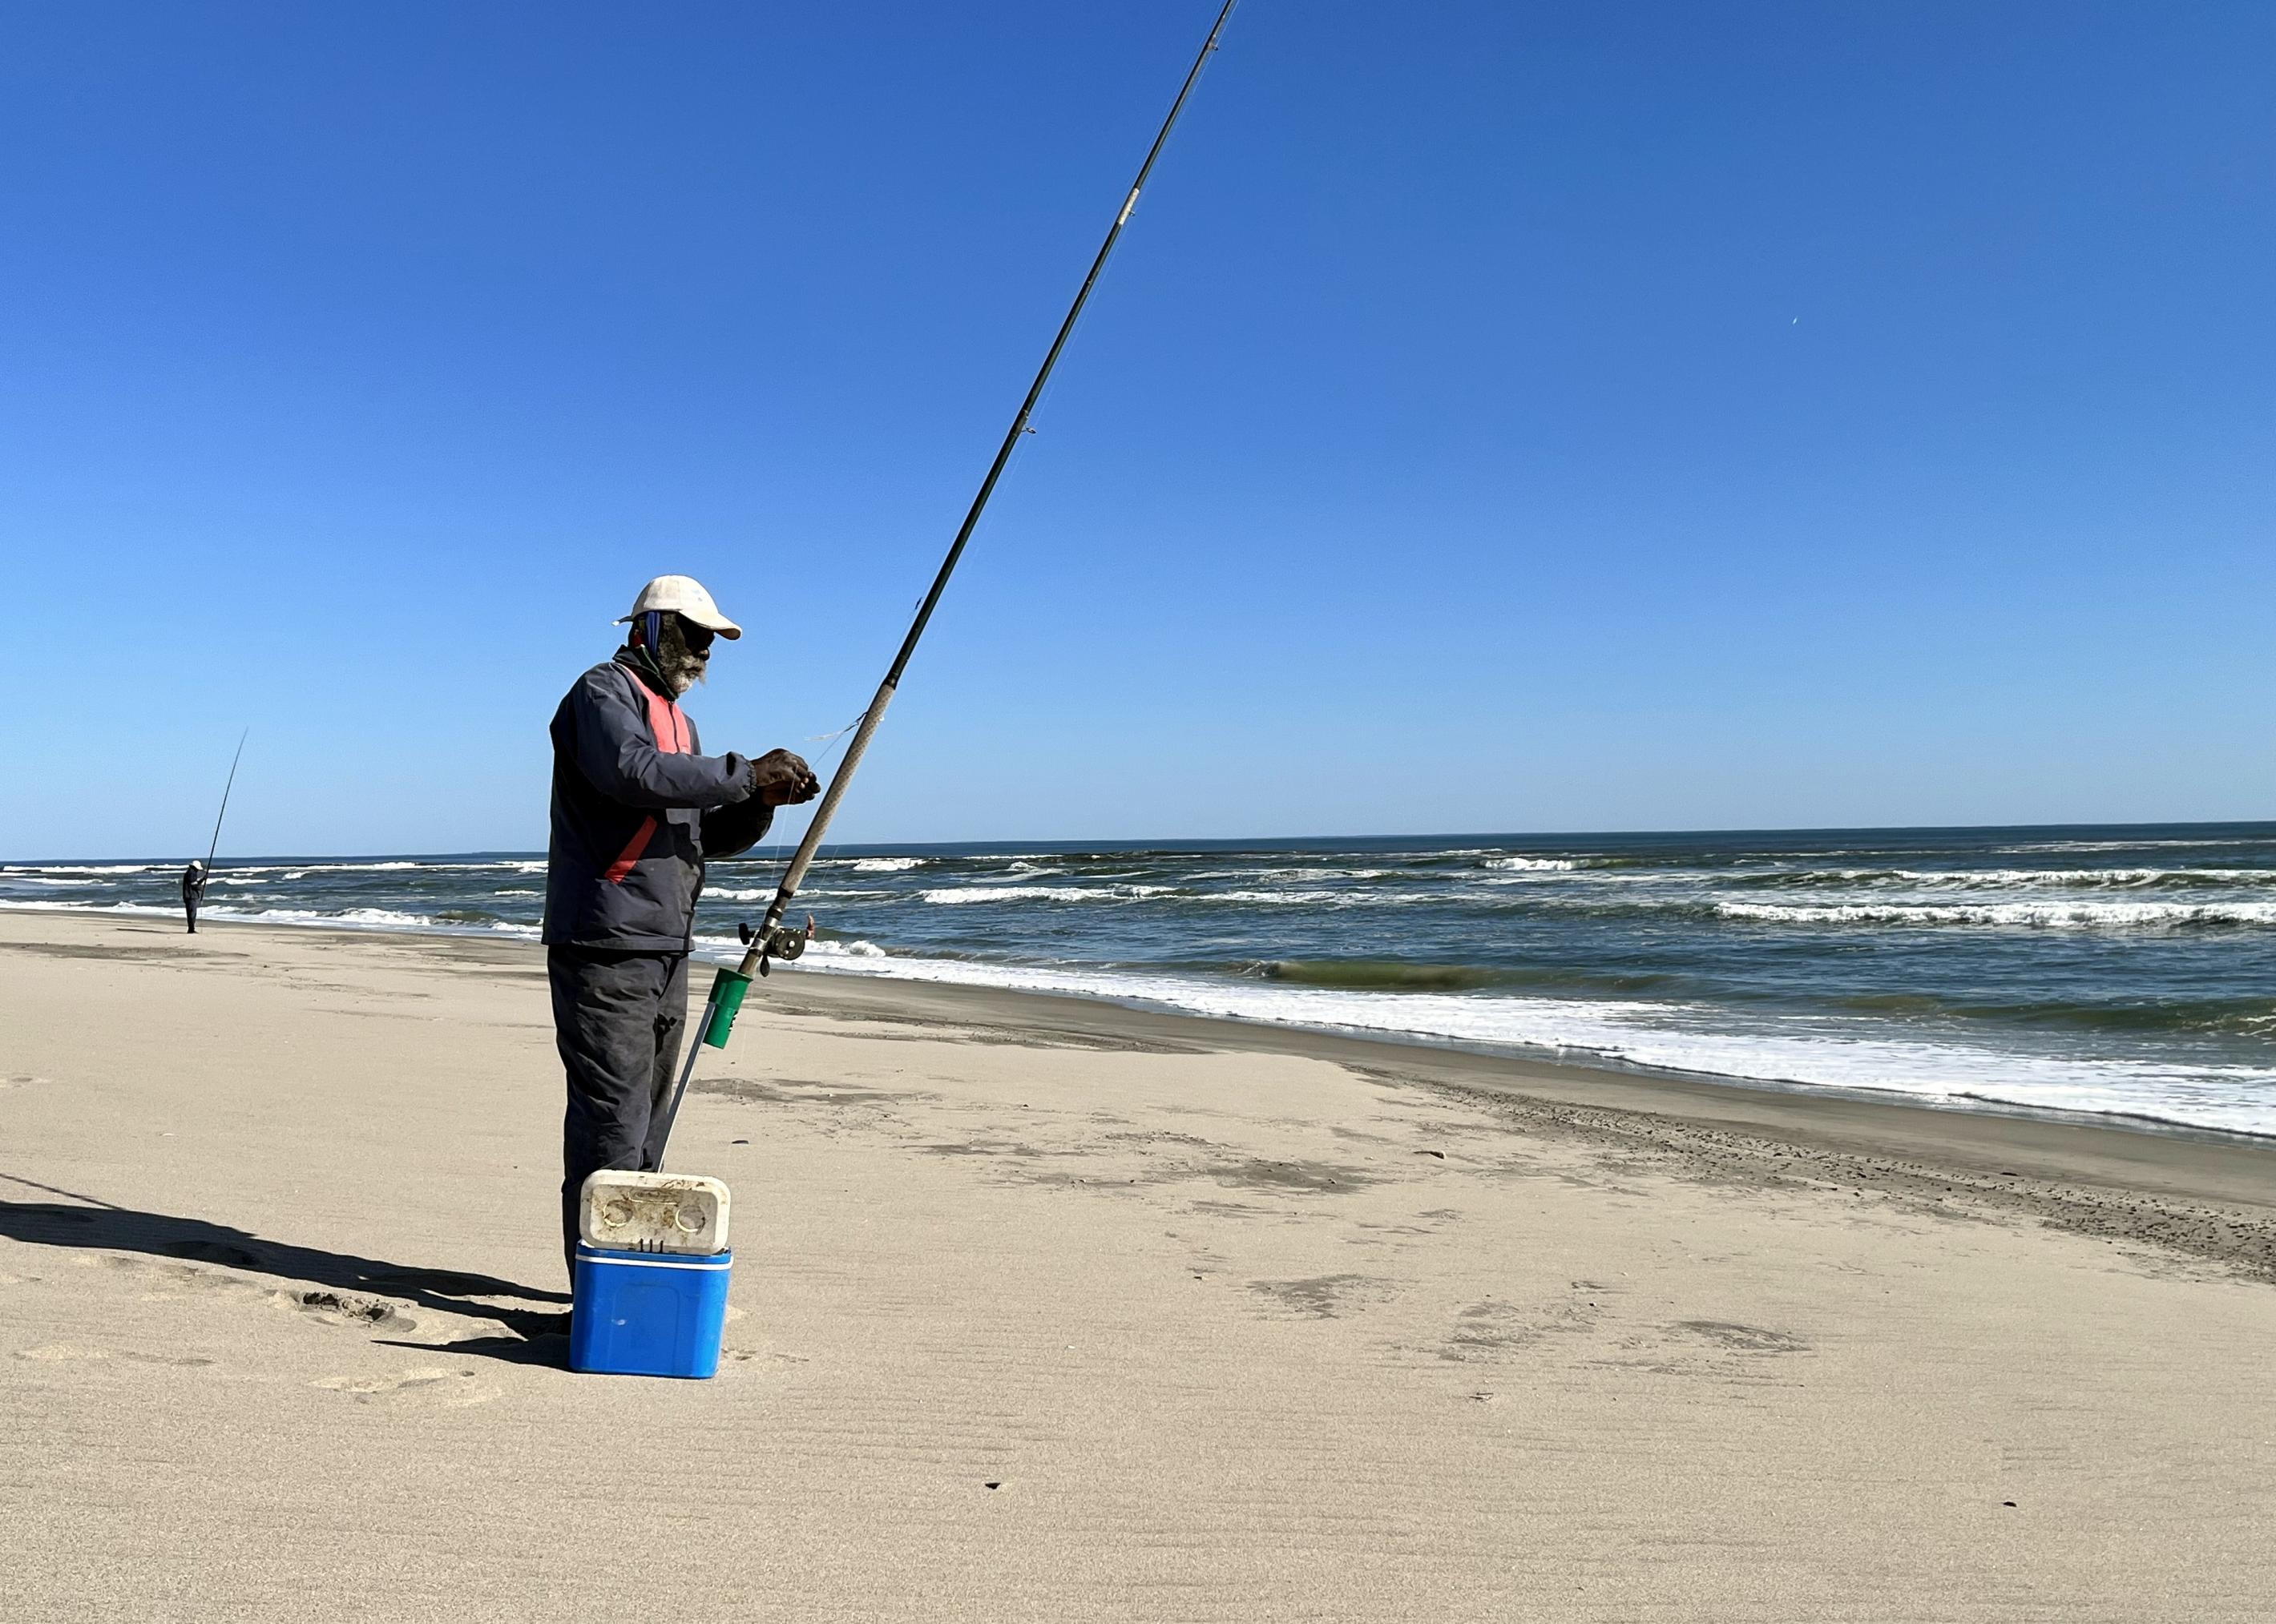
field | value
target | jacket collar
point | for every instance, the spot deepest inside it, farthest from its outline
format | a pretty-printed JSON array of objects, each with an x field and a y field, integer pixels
[{"x": 642, "y": 664}]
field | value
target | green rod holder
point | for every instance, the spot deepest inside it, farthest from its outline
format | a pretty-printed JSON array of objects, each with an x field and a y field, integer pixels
[{"x": 727, "y": 990}]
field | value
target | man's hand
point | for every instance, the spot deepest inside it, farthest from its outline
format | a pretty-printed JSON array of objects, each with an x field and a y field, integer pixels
[{"x": 780, "y": 779}]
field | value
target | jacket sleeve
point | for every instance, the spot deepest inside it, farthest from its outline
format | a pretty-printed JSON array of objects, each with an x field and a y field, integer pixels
[
  {"x": 728, "y": 831},
  {"x": 617, "y": 756}
]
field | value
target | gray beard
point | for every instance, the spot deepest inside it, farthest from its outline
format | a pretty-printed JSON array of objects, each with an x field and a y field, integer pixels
[{"x": 680, "y": 669}]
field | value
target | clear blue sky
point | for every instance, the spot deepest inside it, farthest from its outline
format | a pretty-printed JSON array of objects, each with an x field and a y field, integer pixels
[{"x": 1500, "y": 416}]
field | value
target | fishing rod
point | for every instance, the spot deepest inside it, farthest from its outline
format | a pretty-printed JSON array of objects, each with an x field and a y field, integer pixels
[
  {"x": 769, "y": 939},
  {"x": 224, "y": 813}
]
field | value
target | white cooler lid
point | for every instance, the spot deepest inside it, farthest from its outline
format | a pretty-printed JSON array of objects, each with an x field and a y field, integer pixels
[{"x": 654, "y": 1213}]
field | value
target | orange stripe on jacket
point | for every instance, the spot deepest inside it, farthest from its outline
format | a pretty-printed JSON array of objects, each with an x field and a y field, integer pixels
[{"x": 669, "y": 723}]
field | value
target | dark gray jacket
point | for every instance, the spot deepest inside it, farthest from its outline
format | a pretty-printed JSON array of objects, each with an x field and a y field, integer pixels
[{"x": 637, "y": 812}]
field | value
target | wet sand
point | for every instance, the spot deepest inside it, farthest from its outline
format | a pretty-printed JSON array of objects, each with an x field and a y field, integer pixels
[{"x": 1047, "y": 1309}]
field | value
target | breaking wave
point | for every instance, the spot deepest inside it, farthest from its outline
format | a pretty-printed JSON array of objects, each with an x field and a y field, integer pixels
[
  {"x": 2008, "y": 878},
  {"x": 957, "y": 895},
  {"x": 2034, "y": 915},
  {"x": 1672, "y": 1037}
]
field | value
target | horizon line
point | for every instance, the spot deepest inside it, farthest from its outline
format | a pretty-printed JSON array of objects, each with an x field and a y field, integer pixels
[{"x": 1205, "y": 840}]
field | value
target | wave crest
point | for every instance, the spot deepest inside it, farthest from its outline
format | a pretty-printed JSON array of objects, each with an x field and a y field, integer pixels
[
  {"x": 956, "y": 895},
  {"x": 2035, "y": 915}
]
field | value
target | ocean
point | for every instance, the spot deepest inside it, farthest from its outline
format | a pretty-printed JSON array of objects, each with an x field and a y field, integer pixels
[{"x": 2127, "y": 971}]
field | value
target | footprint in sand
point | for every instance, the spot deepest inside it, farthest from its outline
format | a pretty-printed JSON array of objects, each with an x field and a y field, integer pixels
[
  {"x": 428, "y": 1387},
  {"x": 341, "y": 1308},
  {"x": 1742, "y": 1339},
  {"x": 173, "y": 1278},
  {"x": 767, "y": 1356},
  {"x": 60, "y": 1352}
]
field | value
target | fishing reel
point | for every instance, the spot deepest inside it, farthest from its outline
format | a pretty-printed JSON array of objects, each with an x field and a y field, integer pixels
[{"x": 783, "y": 942}]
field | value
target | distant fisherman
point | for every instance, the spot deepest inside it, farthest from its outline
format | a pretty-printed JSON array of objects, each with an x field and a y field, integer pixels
[
  {"x": 637, "y": 812},
  {"x": 193, "y": 891}
]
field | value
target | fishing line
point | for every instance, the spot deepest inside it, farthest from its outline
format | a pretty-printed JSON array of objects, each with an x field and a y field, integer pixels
[
  {"x": 769, "y": 848},
  {"x": 825, "y": 738}
]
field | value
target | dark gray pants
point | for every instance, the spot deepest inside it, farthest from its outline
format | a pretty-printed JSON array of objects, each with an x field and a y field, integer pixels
[{"x": 616, "y": 1020}]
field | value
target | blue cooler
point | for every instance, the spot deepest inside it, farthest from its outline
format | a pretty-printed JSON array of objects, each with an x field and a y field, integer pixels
[{"x": 648, "y": 1313}]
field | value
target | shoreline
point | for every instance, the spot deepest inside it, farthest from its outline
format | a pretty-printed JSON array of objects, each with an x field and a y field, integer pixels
[
  {"x": 523, "y": 938},
  {"x": 2202, "y": 1192}
]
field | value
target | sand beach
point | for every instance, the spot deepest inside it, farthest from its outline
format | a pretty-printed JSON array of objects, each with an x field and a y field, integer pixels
[{"x": 1051, "y": 1309}]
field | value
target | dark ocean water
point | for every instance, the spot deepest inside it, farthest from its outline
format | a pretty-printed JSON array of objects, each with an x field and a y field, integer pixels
[{"x": 2127, "y": 971}]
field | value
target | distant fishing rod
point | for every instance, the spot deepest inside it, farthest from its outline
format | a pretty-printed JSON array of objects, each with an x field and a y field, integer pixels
[
  {"x": 769, "y": 939},
  {"x": 224, "y": 813}
]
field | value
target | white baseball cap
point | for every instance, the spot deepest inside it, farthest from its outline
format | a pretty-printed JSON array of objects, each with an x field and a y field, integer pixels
[{"x": 684, "y": 596}]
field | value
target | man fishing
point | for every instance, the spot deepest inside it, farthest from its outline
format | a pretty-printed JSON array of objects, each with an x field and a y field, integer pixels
[
  {"x": 198, "y": 875},
  {"x": 193, "y": 891},
  {"x": 637, "y": 812}
]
